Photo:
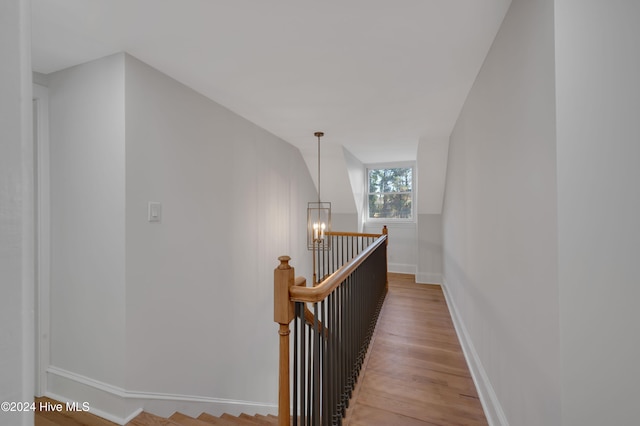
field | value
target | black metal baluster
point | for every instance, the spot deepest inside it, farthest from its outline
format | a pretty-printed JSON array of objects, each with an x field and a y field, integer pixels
[
  {"x": 303, "y": 368},
  {"x": 322, "y": 265},
  {"x": 341, "y": 354},
  {"x": 296, "y": 337},
  {"x": 316, "y": 368},
  {"x": 310, "y": 344},
  {"x": 349, "y": 342},
  {"x": 330, "y": 350},
  {"x": 332, "y": 264},
  {"x": 336, "y": 353},
  {"x": 324, "y": 406}
]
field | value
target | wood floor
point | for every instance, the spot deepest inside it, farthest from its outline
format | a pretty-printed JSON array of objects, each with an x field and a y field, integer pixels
[{"x": 416, "y": 373}]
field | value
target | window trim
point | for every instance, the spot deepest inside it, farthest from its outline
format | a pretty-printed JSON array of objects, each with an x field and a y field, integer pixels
[{"x": 414, "y": 181}]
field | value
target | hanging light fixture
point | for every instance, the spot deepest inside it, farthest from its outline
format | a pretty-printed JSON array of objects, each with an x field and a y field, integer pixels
[{"x": 318, "y": 216}]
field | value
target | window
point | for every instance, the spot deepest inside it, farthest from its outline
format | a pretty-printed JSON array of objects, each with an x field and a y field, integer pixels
[{"x": 390, "y": 192}]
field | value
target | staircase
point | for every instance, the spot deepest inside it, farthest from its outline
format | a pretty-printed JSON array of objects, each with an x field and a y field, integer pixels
[
  {"x": 415, "y": 373},
  {"x": 204, "y": 419}
]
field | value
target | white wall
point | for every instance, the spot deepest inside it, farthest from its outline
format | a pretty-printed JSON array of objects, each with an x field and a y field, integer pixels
[
  {"x": 598, "y": 148},
  {"x": 200, "y": 283},
  {"x": 178, "y": 314},
  {"x": 402, "y": 251},
  {"x": 416, "y": 247},
  {"x": 499, "y": 223},
  {"x": 16, "y": 209},
  {"x": 356, "y": 173},
  {"x": 87, "y": 148},
  {"x": 334, "y": 171},
  {"x": 429, "y": 255},
  {"x": 431, "y": 174},
  {"x": 344, "y": 222}
]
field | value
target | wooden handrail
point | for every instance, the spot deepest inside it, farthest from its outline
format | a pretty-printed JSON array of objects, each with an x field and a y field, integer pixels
[
  {"x": 322, "y": 290},
  {"x": 357, "y": 234},
  {"x": 351, "y": 234}
]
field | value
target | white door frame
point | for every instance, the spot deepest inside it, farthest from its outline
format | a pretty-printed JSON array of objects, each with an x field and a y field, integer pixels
[{"x": 42, "y": 236}]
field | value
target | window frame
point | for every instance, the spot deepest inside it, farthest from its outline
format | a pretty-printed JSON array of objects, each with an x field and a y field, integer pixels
[{"x": 390, "y": 165}]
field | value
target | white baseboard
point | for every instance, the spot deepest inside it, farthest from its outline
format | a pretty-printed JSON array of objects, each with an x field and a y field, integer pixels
[
  {"x": 120, "y": 406},
  {"x": 401, "y": 268},
  {"x": 428, "y": 278},
  {"x": 492, "y": 408}
]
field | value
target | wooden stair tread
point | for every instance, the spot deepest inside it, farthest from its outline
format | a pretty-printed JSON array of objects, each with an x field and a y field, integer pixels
[
  {"x": 255, "y": 419},
  {"x": 270, "y": 420},
  {"x": 43, "y": 421},
  {"x": 64, "y": 418},
  {"x": 238, "y": 420},
  {"x": 206, "y": 417},
  {"x": 185, "y": 420},
  {"x": 148, "y": 419}
]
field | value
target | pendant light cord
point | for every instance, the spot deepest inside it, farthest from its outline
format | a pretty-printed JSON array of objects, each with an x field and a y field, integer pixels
[
  {"x": 319, "y": 169},
  {"x": 319, "y": 135}
]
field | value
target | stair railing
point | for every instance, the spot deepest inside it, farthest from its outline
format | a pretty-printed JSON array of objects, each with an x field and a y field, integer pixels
[
  {"x": 331, "y": 338},
  {"x": 337, "y": 249}
]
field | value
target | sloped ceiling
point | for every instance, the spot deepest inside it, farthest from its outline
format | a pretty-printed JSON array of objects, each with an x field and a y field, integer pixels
[{"x": 377, "y": 76}]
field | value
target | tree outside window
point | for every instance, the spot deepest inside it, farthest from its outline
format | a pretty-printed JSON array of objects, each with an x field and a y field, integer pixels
[{"x": 390, "y": 193}]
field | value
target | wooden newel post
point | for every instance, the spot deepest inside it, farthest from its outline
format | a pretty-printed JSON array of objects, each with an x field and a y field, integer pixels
[{"x": 283, "y": 313}]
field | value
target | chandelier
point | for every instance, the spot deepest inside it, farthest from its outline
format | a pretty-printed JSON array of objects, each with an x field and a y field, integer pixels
[{"x": 318, "y": 216}]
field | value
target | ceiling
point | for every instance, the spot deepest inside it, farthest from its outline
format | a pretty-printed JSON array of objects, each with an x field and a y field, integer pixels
[{"x": 377, "y": 76}]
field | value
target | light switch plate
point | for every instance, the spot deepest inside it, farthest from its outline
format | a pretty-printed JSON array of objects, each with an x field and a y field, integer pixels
[{"x": 155, "y": 212}]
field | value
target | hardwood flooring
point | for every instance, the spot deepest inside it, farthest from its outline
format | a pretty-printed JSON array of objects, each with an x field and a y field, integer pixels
[{"x": 416, "y": 373}]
